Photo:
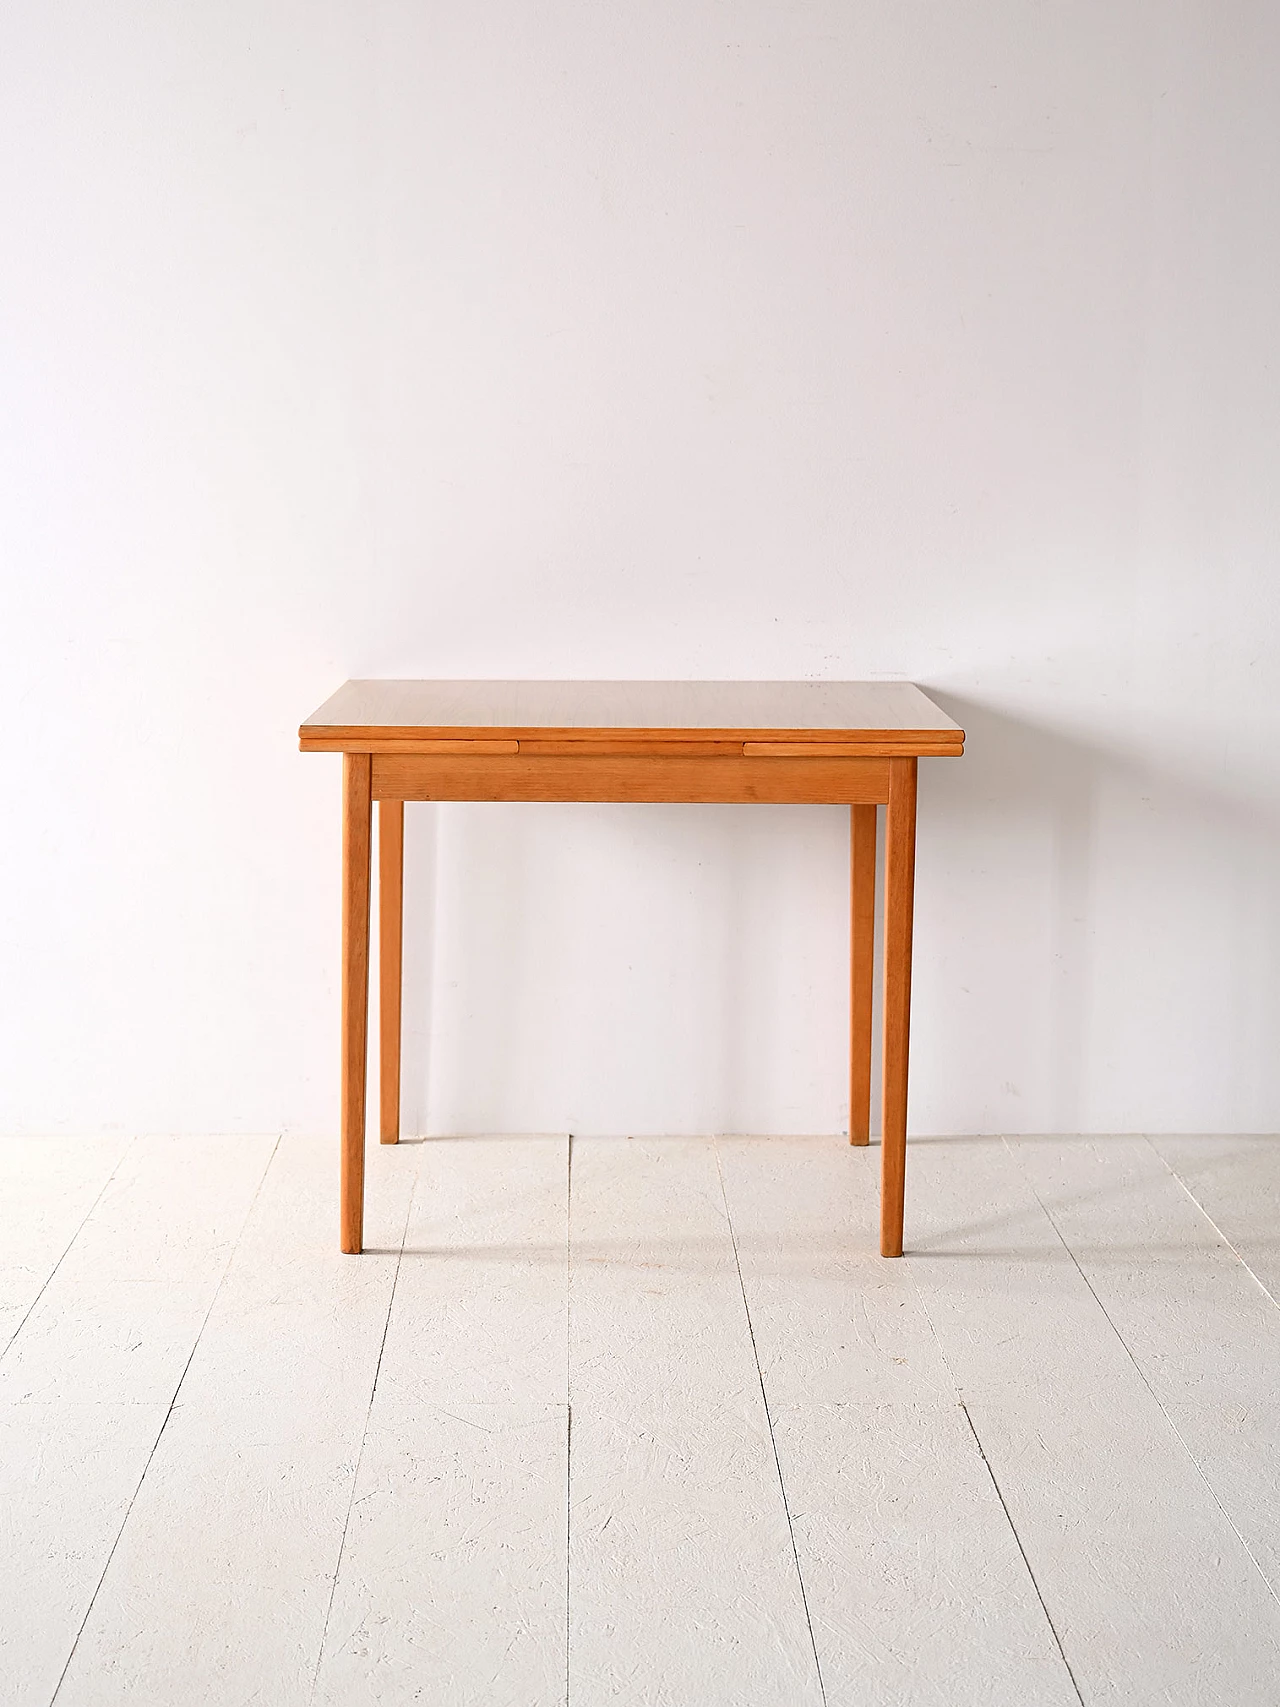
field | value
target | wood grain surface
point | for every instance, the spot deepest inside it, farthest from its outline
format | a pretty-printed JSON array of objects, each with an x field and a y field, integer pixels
[
  {"x": 736, "y": 780},
  {"x": 386, "y": 715},
  {"x": 390, "y": 963},
  {"x": 862, "y": 960},
  {"x": 357, "y": 834},
  {"x": 899, "y": 907}
]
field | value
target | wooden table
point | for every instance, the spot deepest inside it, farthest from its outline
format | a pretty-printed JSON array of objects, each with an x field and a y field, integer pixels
[{"x": 791, "y": 743}]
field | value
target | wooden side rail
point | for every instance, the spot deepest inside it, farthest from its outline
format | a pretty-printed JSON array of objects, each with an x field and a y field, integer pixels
[{"x": 727, "y": 779}]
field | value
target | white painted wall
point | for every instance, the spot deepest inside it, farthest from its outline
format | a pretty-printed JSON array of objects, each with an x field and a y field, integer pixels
[{"x": 684, "y": 339}]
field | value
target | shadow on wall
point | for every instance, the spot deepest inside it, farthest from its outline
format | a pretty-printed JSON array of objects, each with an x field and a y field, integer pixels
[
  {"x": 1153, "y": 967},
  {"x": 645, "y": 968}
]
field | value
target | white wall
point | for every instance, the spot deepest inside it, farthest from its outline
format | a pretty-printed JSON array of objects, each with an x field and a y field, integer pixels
[{"x": 682, "y": 339}]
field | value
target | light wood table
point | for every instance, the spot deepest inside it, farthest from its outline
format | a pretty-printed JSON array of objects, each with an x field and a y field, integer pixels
[{"x": 790, "y": 743}]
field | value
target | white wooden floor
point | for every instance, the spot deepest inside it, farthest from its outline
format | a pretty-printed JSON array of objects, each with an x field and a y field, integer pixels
[{"x": 640, "y": 1421}]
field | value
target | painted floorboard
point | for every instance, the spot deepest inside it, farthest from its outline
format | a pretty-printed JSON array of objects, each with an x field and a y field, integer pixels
[
  {"x": 1204, "y": 1334},
  {"x": 452, "y": 1586},
  {"x": 915, "y": 1583},
  {"x": 683, "y": 1581},
  {"x": 1117, "y": 1360},
  {"x": 47, "y": 1186},
  {"x": 260, "y": 1449},
  {"x": 1236, "y": 1181},
  {"x": 89, "y": 1378},
  {"x": 1152, "y": 1593}
]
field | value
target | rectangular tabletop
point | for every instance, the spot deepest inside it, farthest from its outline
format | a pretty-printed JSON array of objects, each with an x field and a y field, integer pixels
[{"x": 869, "y": 717}]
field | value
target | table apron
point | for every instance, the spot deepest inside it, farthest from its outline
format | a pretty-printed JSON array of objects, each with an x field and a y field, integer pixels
[{"x": 608, "y": 777}]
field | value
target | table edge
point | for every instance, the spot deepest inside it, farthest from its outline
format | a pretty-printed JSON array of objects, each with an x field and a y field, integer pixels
[{"x": 871, "y": 743}]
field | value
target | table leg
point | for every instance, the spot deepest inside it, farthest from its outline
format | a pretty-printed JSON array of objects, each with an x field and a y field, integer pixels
[
  {"x": 862, "y": 912},
  {"x": 357, "y": 815},
  {"x": 899, "y": 886},
  {"x": 390, "y": 951}
]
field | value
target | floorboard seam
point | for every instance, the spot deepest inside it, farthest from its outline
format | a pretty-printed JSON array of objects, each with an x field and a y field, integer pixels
[
  {"x": 1177, "y": 1432},
  {"x": 999, "y": 1491},
  {"x": 977, "y": 1441},
  {"x": 364, "y": 1436},
  {"x": 1242, "y": 1260},
  {"x": 155, "y": 1444},
  {"x": 768, "y": 1417},
  {"x": 4, "y": 1350}
]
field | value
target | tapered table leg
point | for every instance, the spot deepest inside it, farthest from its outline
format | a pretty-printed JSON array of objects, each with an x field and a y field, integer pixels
[
  {"x": 357, "y": 825},
  {"x": 390, "y": 950},
  {"x": 899, "y": 894},
  {"x": 862, "y": 915}
]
